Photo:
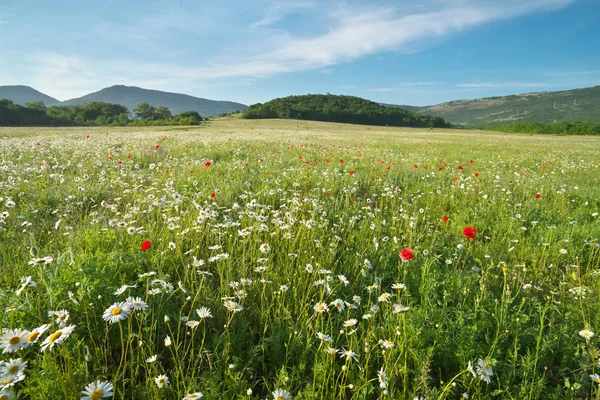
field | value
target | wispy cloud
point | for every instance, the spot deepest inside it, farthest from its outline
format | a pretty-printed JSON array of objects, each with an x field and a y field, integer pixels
[
  {"x": 482, "y": 85},
  {"x": 353, "y": 32}
]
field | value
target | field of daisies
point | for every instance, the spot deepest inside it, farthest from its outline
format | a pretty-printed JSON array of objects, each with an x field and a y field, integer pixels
[{"x": 298, "y": 260}]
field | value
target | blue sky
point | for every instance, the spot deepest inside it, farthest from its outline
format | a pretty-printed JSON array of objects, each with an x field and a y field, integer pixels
[{"x": 404, "y": 52}]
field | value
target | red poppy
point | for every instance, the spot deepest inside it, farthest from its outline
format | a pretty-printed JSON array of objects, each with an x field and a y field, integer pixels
[
  {"x": 460, "y": 167},
  {"x": 157, "y": 146},
  {"x": 146, "y": 245},
  {"x": 445, "y": 219},
  {"x": 351, "y": 172},
  {"x": 470, "y": 232},
  {"x": 213, "y": 194},
  {"x": 341, "y": 161},
  {"x": 537, "y": 196},
  {"x": 406, "y": 254},
  {"x": 87, "y": 136},
  {"x": 207, "y": 164}
]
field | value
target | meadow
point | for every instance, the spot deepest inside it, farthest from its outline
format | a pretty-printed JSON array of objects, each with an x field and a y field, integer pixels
[{"x": 279, "y": 259}]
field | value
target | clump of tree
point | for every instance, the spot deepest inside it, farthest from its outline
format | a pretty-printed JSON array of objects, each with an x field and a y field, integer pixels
[
  {"x": 558, "y": 128},
  {"x": 91, "y": 114},
  {"x": 347, "y": 109}
]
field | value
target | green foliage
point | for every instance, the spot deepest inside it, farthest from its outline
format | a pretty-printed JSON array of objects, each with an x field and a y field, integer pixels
[
  {"x": 347, "y": 109},
  {"x": 90, "y": 114},
  {"x": 559, "y": 128}
]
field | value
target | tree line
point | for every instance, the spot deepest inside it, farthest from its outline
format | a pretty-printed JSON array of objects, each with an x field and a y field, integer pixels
[
  {"x": 91, "y": 114},
  {"x": 558, "y": 128},
  {"x": 346, "y": 109}
]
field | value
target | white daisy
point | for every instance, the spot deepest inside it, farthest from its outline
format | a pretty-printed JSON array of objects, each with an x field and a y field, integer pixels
[
  {"x": 57, "y": 337},
  {"x": 117, "y": 312},
  {"x": 97, "y": 390}
]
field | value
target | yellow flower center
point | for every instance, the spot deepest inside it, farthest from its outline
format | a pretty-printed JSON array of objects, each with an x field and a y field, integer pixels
[
  {"x": 54, "y": 337},
  {"x": 192, "y": 396},
  {"x": 14, "y": 340},
  {"x": 97, "y": 394},
  {"x": 485, "y": 365},
  {"x": 13, "y": 370},
  {"x": 33, "y": 336},
  {"x": 63, "y": 317},
  {"x": 280, "y": 398},
  {"x": 116, "y": 311},
  {"x": 319, "y": 307}
]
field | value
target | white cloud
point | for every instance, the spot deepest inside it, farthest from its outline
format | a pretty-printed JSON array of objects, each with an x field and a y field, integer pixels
[
  {"x": 353, "y": 32},
  {"x": 486, "y": 85}
]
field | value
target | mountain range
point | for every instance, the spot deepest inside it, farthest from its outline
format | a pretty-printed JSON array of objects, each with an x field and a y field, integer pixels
[
  {"x": 568, "y": 105},
  {"x": 128, "y": 96}
]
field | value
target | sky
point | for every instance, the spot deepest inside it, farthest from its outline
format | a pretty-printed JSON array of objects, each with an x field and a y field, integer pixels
[{"x": 415, "y": 52}]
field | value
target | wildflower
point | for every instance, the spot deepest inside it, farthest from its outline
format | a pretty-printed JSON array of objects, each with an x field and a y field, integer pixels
[
  {"x": 136, "y": 303},
  {"x": 323, "y": 337},
  {"x": 25, "y": 281},
  {"x": 595, "y": 378},
  {"x": 398, "y": 286},
  {"x": 168, "y": 341},
  {"x": 13, "y": 340},
  {"x": 203, "y": 312},
  {"x": 320, "y": 307},
  {"x": 172, "y": 246},
  {"x": 470, "y": 232},
  {"x": 116, "y": 312},
  {"x": 384, "y": 298},
  {"x": 35, "y": 334},
  {"x": 338, "y": 304},
  {"x": 563, "y": 251},
  {"x": 264, "y": 248},
  {"x": 382, "y": 378},
  {"x": 146, "y": 245},
  {"x": 587, "y": 334},
  {"x": 57, "y": 337},
  {"x": 484, "y": 370},
  {"x": 233, "y": 306},
  {"x": 406, "y": 254},
  {"x": 387, "y": 344},
  {"x": 123, "y": 288},
  {"x": 445, "y": 218},
  {"x": 332, "y": 351},
  {"x": 192, "y": 324},
  {"x": 280, "y": 394},
  {"x": 98, "y": 390},
  {"x": 161, "y": 381},
  {"x": 344, "y": 280},
  {"x": 349, "y": 323},
  {"x": 348, "y": 354},
  {"x": 151, "y": 359},
  {"x": 12, "y": 368},
  {"x": 191, "y": 396},
  {"x": 537, "y": 195},
  {"x": 471, "y": 369},
  {"x": 399, "y": 308}
]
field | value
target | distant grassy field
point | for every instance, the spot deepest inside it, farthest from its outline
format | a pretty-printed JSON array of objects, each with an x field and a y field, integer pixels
[{"x": 252, "y": 259}]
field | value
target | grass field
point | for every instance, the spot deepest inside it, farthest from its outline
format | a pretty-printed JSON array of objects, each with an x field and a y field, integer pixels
[{"x": 253, "y": 259}]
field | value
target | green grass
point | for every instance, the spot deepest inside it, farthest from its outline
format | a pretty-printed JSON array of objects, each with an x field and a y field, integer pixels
[{"x": 325, "y": 198}]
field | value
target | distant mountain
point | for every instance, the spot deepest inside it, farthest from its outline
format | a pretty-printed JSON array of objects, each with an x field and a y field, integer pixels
[
  {"x": 568, "y": 105},
  {"x": 131, "y": 96},
  {"x": 24, "y": 94}
]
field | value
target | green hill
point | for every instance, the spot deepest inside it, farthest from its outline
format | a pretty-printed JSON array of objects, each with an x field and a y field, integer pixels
[
  {"x": 569, "y": 105},
  {"x": 334, "y": 108}
]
